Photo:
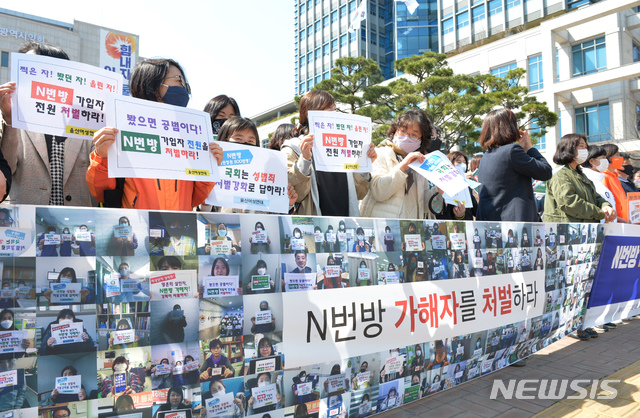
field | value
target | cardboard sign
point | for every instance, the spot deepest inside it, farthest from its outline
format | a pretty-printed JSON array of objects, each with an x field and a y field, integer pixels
[
  {"x": 297, "y": 244},
  {"x": 263, "y": 317},
  {"x": 113, "y": 287},
  {"x": 438, "y": 242},
  {"x": 304, "y": 388},
  {"x": 215, "y": 286},
  {"x": 259, "y": 237},
  {"x": 336, "y": 383},
  {"x": 457, "y": 241},
  {"x": 9, "y": 378},
  {"x": 64, "y": 293},
  {"x": 83, "y": 236},
  {"x": 221, "y": 247},
  {"x": 260, "y": 282},
  {"x": 11, "y": 341},
  {"x": 125, "y": 336},
  {"x": 162, "y": 369},
  {"x": 220, "y": 405},
  {"x": 67, "y": 333},
  {"x": 52, "y": 239},
  {"x": 295, "y": 282},
  {"x": 68, "y": 384},
  {"x": 412, "y": 242},
  {"x": 264, "y": 395},
  {"x": 122, "y": 231},
  {"x": 332, "y": 271},
  {"x": 266, "y": 366},
  {"x": 129, "y": 285},
  {"x": 174, "y": 285}
]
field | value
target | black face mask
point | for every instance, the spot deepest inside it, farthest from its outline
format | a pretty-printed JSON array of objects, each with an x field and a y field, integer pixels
[
  {"x": 216, "y": 125},
  {"x": 627, "y": 169}
]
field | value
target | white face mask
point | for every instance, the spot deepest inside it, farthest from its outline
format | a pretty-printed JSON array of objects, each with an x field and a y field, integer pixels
[
  {"x": 120, "y": 367},
  {"x": 65, "y": 321},
  {"x": 65, "y": 280},
  {"x": 603, "y": 165},
  {"x": 6, "y": 324},
  {"x": 406, "y": 143},
  {"x": 461, "y": 168},
  {"x": 262, "y": 271},
  {"x": 360, "y": 237},
  {"x": 582, "y": 156}
]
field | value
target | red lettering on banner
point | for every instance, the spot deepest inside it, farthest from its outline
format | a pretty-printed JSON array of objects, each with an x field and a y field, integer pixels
[
  {"x": 334, "y": 140},
  {"x": 51, "y": 93}
]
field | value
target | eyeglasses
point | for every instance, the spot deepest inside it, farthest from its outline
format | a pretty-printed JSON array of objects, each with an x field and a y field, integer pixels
[
  {"x": 61, "y": 416},
  {"x": 182, "y": 81}
]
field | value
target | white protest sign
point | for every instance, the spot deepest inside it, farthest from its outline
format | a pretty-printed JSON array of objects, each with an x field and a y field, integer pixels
[
  {"x": 267, "y": 365},
  {"x": 67, "y": 333},
  {"x": 68, "y": 384},
  {"x": 252, "y": 178},
  {"x": 52, "y": 239},
  {"x": 336, "y": 383},
  {"x": 215, "y": 286},
  {"x": 341, "y": 141},
  {"x": 65, "y": 292},
  {"x": 438, "y": 242},
  {"x": 60, "y": 97},
  {"x": 221, "y": 247},
  {"x": 83, "y": 236},
  {"x": 365, "y": 408},
  {"x": 260, "y": 282},
  {"x": 11, "y": 341},
  {"x": 113, "y": 286},
  {"x": 342, "y": 236},
  {"x": 438, "y": 170},
  {"x": 125, "y": 336},
  {"x": 364, "y": 273},
  {"x": 331, "y": 236},
  {"x": 162, "y": 369},
  {"x": 389, "y": 277},
  {"x": 263, "y": 317},
  {"x": 304, "y": 388},
  {"x": 332, "y": 271},
  {"x": 7, "y": 293},
  {"x": 463, "y": 197},
  {"x": 264, "y": 395},
  {"x": 457, "y": 241},
  {"x": 478, "y": 262},
  {"x": 159, "y": 141},
  {"x": 9, "y": 378},
  {"x": 319, "y": 237},
  {"x": 174, "y": 285},
  {"x": 297, "y": 244},
  {"x": 220, "y": 405},
  {"x": 176, "y": 414},
  {"x": 295, "y": 282},
  {"x": 129, "y": 285},
  {"x": 363, "y": 378},
  {"x": 122, "y": 231},
  {"x": 191, "y": 366},
  {"x": 259, "y": 237},
  {"x": 412, "y": 242},
  {"x": 394, "y": 364},
  {"x": 14, "y": 242}
]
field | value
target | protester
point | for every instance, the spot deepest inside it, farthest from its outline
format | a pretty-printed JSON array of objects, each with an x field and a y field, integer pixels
[
  {"x": 221, "y": 108},
  {"x": 325, "y": 282},
  {"x": 68, "y": 275},
  {"x": 48, "y": 250},
  {"x": 459, "y": 211},
  {"x": 86, "y": 248},
  {"x": 216, "y": 360},
  {"x": 594, "y": 168},
  {"x": 262, "y": 328},
  {"x": 506, "y": 170},
  {"x": 612, "y": 181},
  {"x": 571, "y": 196},
  {"x": 175, "y": 401},
  {"x": 396, "y": 190},
  {"x": 282, "y": 133},
  {"x": 7, "y": 323},
  {"x": 158, "y": 80},
  {"x": 625, "y": 175},
  {"x": 59, "y": 398},
  {"x": 48, "y": 345},
  {"x": 175, "y": 323},
  {"x": 124, "y": 246},
  {"x": 317, "y": 190},
  {"x": 123, "y": 325},
  {"x": 260, "y": 269},
  {"x": 217, "y": 389},
  {"x": 161, "y": 380}
]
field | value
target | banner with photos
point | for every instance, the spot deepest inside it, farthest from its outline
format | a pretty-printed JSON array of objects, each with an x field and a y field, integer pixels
[{"x": 256, "y": 314}]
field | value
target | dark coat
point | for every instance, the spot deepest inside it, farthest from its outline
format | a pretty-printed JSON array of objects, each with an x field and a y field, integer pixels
[{"x": 506, "y": 193}]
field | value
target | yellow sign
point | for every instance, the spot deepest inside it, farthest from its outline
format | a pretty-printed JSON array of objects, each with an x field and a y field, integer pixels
[
  {"x": 194, "y": 172},
  {"x": 351, "y": 166},
  {"x": 80, "y": 131}
]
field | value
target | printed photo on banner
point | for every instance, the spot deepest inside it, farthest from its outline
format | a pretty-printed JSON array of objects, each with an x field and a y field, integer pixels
[
  {"x": 67, "y": 379},
  {"x": 341, "y": 141},
  {"x": 333, "y": 273},
  {"x": 329, "y": 234},
  {"x": 390, "y": 268},
  {"x": 297, "y": 234},
  {"x": 220, "y": 359},
  {"x": 132, "y": 279},
  {"x": 118, "y": 54},
  {"x": 66, "y": 281},
  {"x": 252, "y": 178},
  {"x": 262, "y": 314},
  {"x": 17, "y": 231},
  {"x": 172, "y": 234},
  {"x": 219, "y": 276},
  {"x": 60, "y": 235},
  {"x": 60, "y": 97},
  {"x": 388, "y": 236},
  {"x": 174, "y": 320},
  {"x": 219, "y": 234},
  {"x": 173, "y": 284},
  {"x": 221, "y": 318},
  {"x": 119, "y": 370},
  {"x": 302, "y": 387},
  {"x": 262, "y": 234},
  {"x": 224, "y": 398},
  {"x": 438, "y": 170},
  {"x": 168, "y": 364},
  {"x": 263, "y": 353},
  {"x": 160, "y": 141},
  {"x": 67, "y": 331},
  {"x": 261, "y": 274},
  {"x": 123, "y": 325},
  {"x": 123, "y": 234},
  {"x": 298, "y": 271}
]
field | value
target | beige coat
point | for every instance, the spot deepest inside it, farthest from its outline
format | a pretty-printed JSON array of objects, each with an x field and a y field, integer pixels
[{"x": 28, "y": 158}]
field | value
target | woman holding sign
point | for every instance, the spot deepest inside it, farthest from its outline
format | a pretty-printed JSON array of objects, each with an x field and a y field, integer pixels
[
  {"x": 7, "y": 323},
  {"x": 317, "y": 190},
  {"x": 124, "y": 241},
  {"x": 58, "y": 397},
  {"x": 65, "y": 326},
  {"x": 123, "y": 325},
  {"x": 175, "y": 401},
  {"x": 506, "y": 170},
  {"x": 396, "y": 190},
  {"x": 158, "y": 80},
  {"x": 68, "y": 275}
]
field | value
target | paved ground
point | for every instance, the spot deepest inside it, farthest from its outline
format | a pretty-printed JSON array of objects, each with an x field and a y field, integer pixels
[{"x": 613, "y": 355}]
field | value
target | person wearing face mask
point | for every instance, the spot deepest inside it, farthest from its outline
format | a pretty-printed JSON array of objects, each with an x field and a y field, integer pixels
[
  {"x": 594, "y": 168},
  {"x": 571, "y": 196},
  {"x": 6, "y": 302},
  {"x": 259, "y": 247},
  {"x": 366, "y": 384},
  {"x": 68, "y": 275},
  {"x": 317, "y": 190},
  {"x": 123, "y": 325},
  {"x": 221, "y": 108},
  {"x": 411, "y": 271},
  {"x": 525, "y": 241},
  {"x": 161, "y": 380},
  {"x": 86, "y": 248},
  {"x": 325, "y": 282},
  {"x": 134, "y": 384},
  {"x": 626, "y": 174},
  {"x": 299, "y": 398},
  {"x": 341, "y": 236},
  {"x": 221, "y": 233},
  {"x": 48, "y": 345},
  {"x": 7, "y": 323},
  {"x": 65, "y": 246},
  {"x": 418, "y": 362},
  {"x": 260, "y": 270},
  {"x": 361, "y": 245},
  {"x": 217, "y": 389},
  {"x": 263, "y": 379},
  {"x": 330, "y": 243},
  {"x": 124, "y": 246},
  {"x": 396, "y": 190},
  {"x": 262, "y": 328},
  {"x": 389, "y": 240},
  {"x": 49, "y": 250},
  {"x": 443, "y": 210},
  {"x": 612, "y": 180},
  {"x": 159, "y": 80},
  {"x": 124, "y": 297}
]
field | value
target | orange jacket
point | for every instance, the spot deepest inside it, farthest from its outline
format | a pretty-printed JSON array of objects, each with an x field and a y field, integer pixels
[
  {"x": 613, "y": 183},
  {"x": 147, "y": 193}
]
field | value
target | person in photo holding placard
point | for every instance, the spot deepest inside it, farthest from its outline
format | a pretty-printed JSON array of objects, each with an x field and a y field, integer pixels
[
  {"x": 68, "y": 275},
  {"x": 162, "y": 375},
  {"x": 7, "y": 323},
  {"x": 49, "y": 249},
  {"x": 124, "y": 241},
  {"x": 221, "y": 234},
  {"x": 65, "y": 245},
  {"x": 317, "y": 190},
  {"x": 361, "y": 245},
  {"x": 506, "y": 170},
  {"x": 265, "y": 327},
  {"x": 86, "y": 242},
  {"x": 8, "y": 302},
  {"x": 158, "y": 80},
  {"x": 216, "y": 366},
  {"x": 58, "y": 397},
  {"x": 50, "y": 345},
  {"x": 364, "y": 274},
  {"x": 46, "y": 169},
  {"x": 396, "y": 190},
  {"x": 175, "y": 402},
  {"x": 331, "y": 278},
  {"x": 260, "y": 271},
  {"x": 218, "y": 389},
  {"x": 123, "y": 325},
  {"x": 122, "y": 381},
  {"x": 263, "y": 379},
  {"x": 259, "y": 240}
]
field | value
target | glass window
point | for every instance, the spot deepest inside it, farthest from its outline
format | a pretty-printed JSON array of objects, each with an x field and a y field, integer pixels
[
  {"x": 334, "y": 45},
  {"x": 447, "y": 26},
  {"x": 343, "y": 40},
  {"x": 318, "y": 54},
  {"x": 495, "y": 6},
  {"x": 302, "y": 62},
  {"x": 463, "y": 20},
  {"x": 589, "y": 57},
  {"x": 557, "y": 65},
  {"x": 352, "y": 36},
  {"x": 325, "y": 75},
  {"x": 309, "y": 84},
  {"x": 310, "y": 30},
  {"x": 4, "y": 61},
  {"x": 477, "y": 13},
  {"x": 535, "y": 73},
  {"x": 594, "y": 122},
  {"x": 334, "y": 16},
  {"x": 541, "y": 143},
  {"x": 302, "y": 34},
  {"x": 374, "y": 39},
  {"x": 504, "y": 70},
  {"x": 318, "y": 78},
  {"x": 302, "y": 9},
  {"x": 310, "y": 58},
  {"x": 318, "y": 27},
  {"x": 636, "y": 52},
  {"x": 325, "y": 49},
  {"x": 343, "y": 11},
  {"x": 352, "y": 7},
  {"x": 512, "y": 3},
  {"x": 325, "y": 21}
]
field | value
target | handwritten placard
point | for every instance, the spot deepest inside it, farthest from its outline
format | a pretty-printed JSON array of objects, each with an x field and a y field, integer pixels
[
  {"x": 122, "y": 231},
  {"x": 332, "y": 271},
  {"x": 221, "y": 247},
  {"x": 458, "y": 241},
  {"x": 175, "y": 285},
  {"x": 264, "y": 395},
  {"x": 220, "y": 405},
  {"x": 413, "y": 242}
]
